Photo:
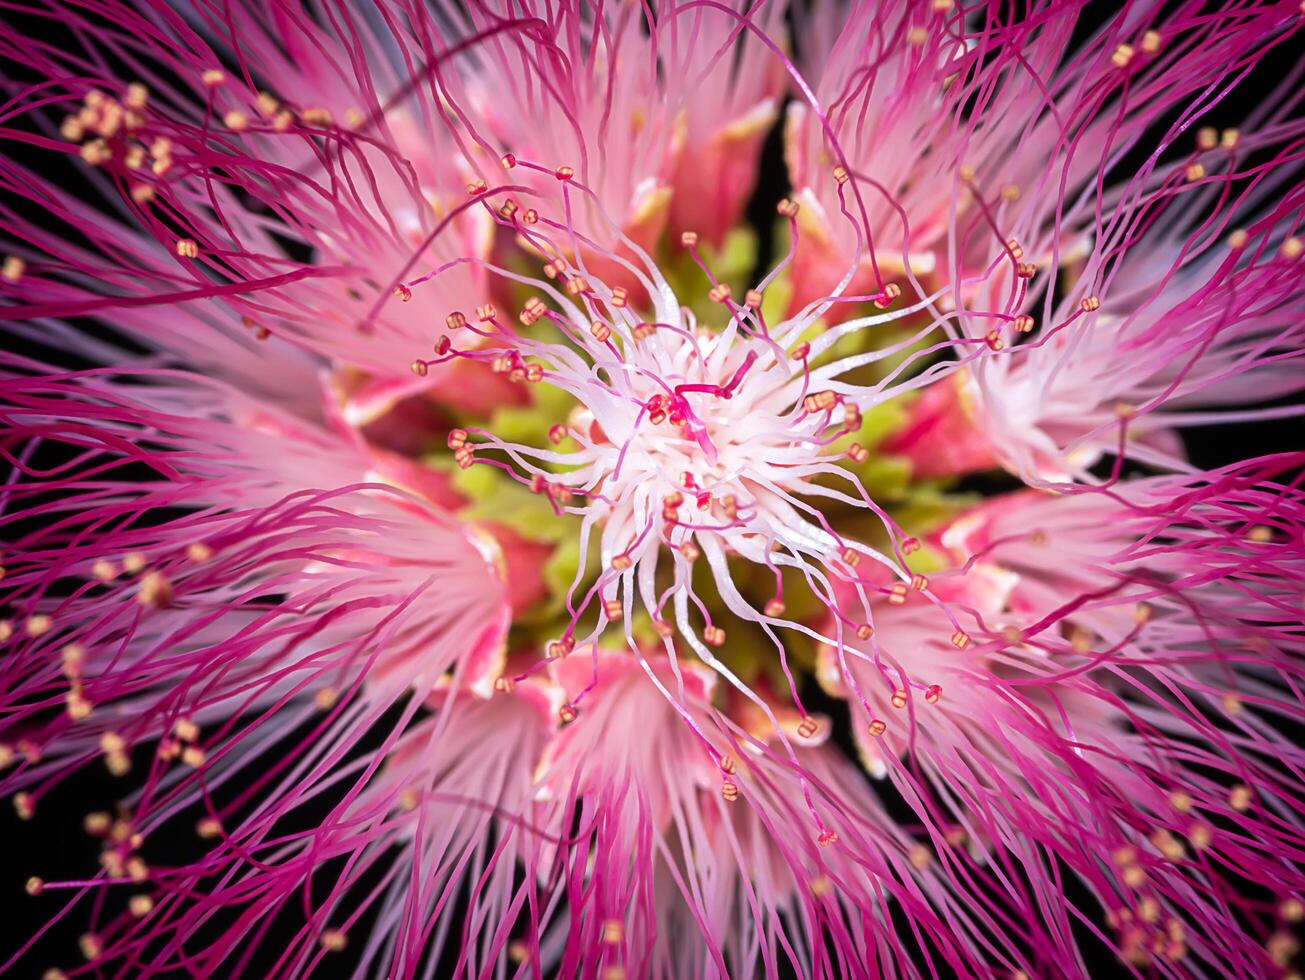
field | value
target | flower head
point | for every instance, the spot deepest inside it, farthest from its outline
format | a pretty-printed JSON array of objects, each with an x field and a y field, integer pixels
[{"x": 466, "y": 555}]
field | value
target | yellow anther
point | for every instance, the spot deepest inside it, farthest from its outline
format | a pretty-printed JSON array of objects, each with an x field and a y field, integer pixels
[
  {"x": 193, "y": 756},
  {"x": 155, "y": 590},
  {"x": 326, "y": 698},
  {"x": 187, "y": 248},
  {"x": 74, "y": 655},
  {"x": 1239, "y": 798},
  {"x": 13, "y": 268},
  {"x": 24, "y": 805},
  {"x": 77, "y": 706},
  {"x": 1168, "y": 845},
  {"x": 89, "y": 943},
  {"x": 208, "y": 828},
  {"x": 333, "y": 941},
  {"x": 886, "y": 296}
]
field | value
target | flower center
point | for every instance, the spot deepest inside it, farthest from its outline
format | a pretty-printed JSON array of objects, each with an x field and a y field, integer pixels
[{"x": 706, "y": 472}]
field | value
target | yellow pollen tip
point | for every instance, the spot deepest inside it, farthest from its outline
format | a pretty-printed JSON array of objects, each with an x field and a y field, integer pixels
[{"x": 333, "y": 941}]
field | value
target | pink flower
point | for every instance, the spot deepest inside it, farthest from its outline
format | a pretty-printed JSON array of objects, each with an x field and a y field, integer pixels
[
  {"x": 1196, "y": 319},
  {"x": 412, "y": 489}
]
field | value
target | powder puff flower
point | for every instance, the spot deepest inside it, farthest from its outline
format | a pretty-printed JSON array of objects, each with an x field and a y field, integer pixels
[{"x": 466, "y": 557}]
